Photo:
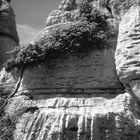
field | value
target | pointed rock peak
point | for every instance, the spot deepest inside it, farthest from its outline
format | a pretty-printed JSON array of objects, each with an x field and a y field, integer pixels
[{"x": 7, "y": 18}]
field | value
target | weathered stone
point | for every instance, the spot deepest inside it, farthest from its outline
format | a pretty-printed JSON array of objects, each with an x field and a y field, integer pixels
[
  {"x": 79, "y": 97},
  {"x": 8, "y": 33},
  {"x": 135, "y": 87},
  {"x": 6, "y": 47},
  {"x": 127, "y": 51},
  {"x": 8, "y": 81},
  {"x": 7, "y": 21},
  {"x": 83, "y": 117},
  {"x": 89, "y": 72},
  {"x": 72, "y": 10}
]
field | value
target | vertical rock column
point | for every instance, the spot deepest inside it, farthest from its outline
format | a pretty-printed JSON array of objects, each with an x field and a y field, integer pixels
[
  {"x": 8, "y": 33},
  {"x": 128, "y": 51},
  {"x": 8, "y": 41}
]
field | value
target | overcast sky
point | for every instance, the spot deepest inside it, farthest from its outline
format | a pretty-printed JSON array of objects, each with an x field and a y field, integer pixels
[{"x": 31, "y": 16}]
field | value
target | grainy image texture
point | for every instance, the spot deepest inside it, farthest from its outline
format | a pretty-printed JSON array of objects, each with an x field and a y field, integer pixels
[{"x": 78, "y": 80}]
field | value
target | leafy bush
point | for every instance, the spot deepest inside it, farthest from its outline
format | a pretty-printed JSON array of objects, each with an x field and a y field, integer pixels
[
  {"x": 88, "y": 32},
  {"x": 62, "y": 40}
]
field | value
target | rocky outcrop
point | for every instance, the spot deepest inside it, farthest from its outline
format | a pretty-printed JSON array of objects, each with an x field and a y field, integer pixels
[
  {"x": 127, "y": 52},
  {"x": 90, "y": 73},
  {"x": 7, "y": 18},
  {"x": 73, "y": 10},
  {"x": 8, "y": 41},
  {"x": 76, "y": 117},
  {"x": 6, "y": 46},
  {"x": 8, "y": 82},
  {"x": 8, "y": 34},
  {"x": 60, "y": 91}
]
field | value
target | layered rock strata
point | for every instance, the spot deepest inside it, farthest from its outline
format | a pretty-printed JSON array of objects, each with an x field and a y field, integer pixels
[
  {"x": 79, "y": 117},
  {"x": 127, "y": 52},
  {"x": 79, "y": 97},
  {"x": 91, "y": 72}
]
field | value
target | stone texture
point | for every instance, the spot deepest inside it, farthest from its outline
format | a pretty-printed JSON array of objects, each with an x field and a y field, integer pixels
[
  {"x": 127, "y": 51},
  {"x": 8, "y": 81},
  {"x": 68, "y": 11},
  {"x": 91, "y": 72},
  {"x": 8, "y": 41},
  {"x": 72, "y": 10},
  {"x": 7, "y": 20},
  {"x": 81, "y": 98},
  {"x": 135, "y": 87},
  {"x": 83, "y": 117},
  {"x": 8, "y": 33},
  {"x": 6, "y": 47}
]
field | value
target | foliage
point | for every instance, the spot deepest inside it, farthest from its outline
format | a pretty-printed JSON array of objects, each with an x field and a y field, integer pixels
[
  {"x": 7, "y": 125},
  {"x": 62, "y": 40},
  {"x": 90, "y": 14},
  {"x": 88, "y": 32}
]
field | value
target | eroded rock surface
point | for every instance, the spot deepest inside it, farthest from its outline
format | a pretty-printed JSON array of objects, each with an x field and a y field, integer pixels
[
  {"x": 84, "y": 117},
  {"x": 8, "y": 33},
  {"x": 7, "y": 20},
  {"x": 92, "y": 72},
  {"x": 79, "y": 97},
  {"x": 127, "y": 51},
  {"x": 72, "y": 10}
]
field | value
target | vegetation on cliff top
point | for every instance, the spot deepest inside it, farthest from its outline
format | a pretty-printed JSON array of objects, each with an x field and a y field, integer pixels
[
  {"x": 61, "y": 41},
  {"x": 64, "y": 39}
]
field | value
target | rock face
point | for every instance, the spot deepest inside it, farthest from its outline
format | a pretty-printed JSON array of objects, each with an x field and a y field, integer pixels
[
  {"x": 7, "y": 44},
  {"x": 8, "y": 41},
  {"x": 72, "y": 10},
  {"x": 69, "y": 117},
  {"x": 85, "y": 74},
  {"x": 8, "y": 34},
  {"x": 7, "y": 17},
  {"x": 127, "y": 52},
  {"x": 80, "y": 97}
]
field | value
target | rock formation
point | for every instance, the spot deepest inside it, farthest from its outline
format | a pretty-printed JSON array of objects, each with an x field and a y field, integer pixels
[
  {"x": 8, "y": 41},
  {"x": 79, "y": 79},
  {"x": 127, "y": 52},
  {"x": 8, "y": 34}
]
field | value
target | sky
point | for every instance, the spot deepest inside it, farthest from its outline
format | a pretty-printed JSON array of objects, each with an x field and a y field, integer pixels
[{"x": 31, "y": 16}]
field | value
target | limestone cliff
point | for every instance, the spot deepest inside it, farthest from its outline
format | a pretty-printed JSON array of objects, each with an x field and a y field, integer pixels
[
  {"x": 8, "y": 34},
  {"x": 8, "y": 41},
  {"x": 65, "y": 85},
  {"x": 127, "y": 51}
]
